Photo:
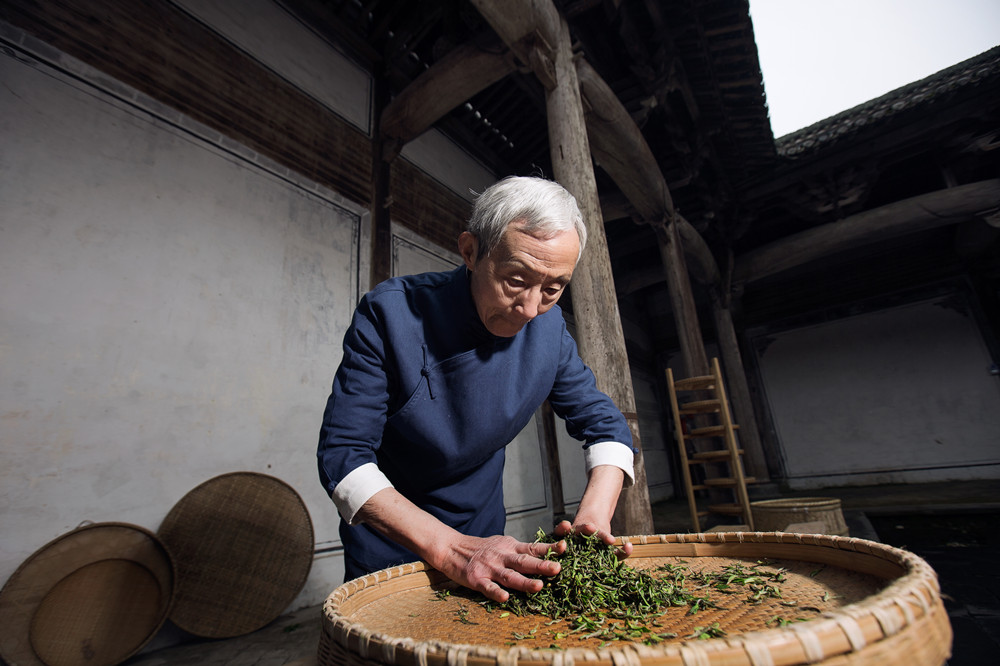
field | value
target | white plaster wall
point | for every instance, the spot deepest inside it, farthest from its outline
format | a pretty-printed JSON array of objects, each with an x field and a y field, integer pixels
[
  {"x": 451, "y": 166},
  {"x": 267, "y": 32},
  {"x": 170, "y": 310},
  {"x": 896, "y": 396}
]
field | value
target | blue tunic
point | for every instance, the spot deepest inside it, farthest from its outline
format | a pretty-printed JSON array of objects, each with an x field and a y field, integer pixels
[{"x": 427, "y": 393}]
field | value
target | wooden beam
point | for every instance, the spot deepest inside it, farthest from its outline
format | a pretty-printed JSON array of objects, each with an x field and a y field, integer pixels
[
  {"x": 461, "y": 74},
  {"x": 615, "y": 141},
  {"x": 517, "y": 21},
  {"x": 621, "y": 150},
  {"x": 704, "y": 267},
  {"x": 926, "y": 211}
]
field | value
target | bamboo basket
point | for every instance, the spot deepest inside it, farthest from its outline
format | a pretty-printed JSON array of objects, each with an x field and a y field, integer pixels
[
  {"x": 867, "y": 603},
  {"x": 776, "y": 514}
]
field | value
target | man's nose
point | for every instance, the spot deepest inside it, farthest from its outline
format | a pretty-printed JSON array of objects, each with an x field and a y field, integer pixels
[{"x": 529, "y": 303}]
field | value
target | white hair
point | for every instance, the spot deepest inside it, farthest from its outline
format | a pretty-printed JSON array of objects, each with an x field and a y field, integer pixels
[{"x": 543, "y": 206}]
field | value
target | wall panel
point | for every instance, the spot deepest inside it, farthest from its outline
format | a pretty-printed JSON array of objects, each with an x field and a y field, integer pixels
[
  {"x": 172, "y": 309},
  {"x": 896, "y": 395}
]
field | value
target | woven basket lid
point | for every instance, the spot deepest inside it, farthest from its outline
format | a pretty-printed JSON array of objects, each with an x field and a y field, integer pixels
[
  {"x": 95, "y": 595},
  {"x": 243, "y": 546}
]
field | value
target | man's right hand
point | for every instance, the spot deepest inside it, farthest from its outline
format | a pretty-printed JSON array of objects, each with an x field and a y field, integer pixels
[
  {"x": 496, "y": 564},
  {"x": 490, "y": 565}
]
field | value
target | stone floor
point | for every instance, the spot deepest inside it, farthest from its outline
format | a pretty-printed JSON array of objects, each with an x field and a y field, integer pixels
[
  {"x": 954, "y": 526},
  {"x": 962, "y": 548},
  {"x": 291, "y": 640}
]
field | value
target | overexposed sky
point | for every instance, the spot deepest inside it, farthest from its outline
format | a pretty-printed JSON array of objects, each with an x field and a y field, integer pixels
[{"x": 821, "y": 57}]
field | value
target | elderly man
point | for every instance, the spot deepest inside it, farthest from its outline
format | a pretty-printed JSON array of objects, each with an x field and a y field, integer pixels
[{"x": 440, "y": 372}]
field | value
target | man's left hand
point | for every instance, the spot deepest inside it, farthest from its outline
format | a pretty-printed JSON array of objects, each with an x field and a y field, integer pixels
[{"x": 578, "y": 526}]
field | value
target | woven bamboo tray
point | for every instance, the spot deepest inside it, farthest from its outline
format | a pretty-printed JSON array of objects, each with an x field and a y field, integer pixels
[{"x": 862, "y": 602}]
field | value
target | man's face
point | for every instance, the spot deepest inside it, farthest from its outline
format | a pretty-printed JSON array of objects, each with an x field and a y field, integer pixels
[{"x": 522, "y": 278}]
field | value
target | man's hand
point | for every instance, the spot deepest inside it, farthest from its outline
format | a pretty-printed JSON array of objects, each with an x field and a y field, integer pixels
[
  {"x": 496, "y": 564},
  {"x": 487, "y": 565},
  {"x": 597, "y": 506},
  {"x": 578, "y": 526}
]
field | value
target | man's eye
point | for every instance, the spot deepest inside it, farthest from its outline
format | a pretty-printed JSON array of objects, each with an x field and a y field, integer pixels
[
  {"x": 515, "y": 282},
  {"x": 553, "y": 291}
]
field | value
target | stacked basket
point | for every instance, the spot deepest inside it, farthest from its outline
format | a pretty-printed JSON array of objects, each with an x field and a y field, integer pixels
[{"x": 229, "y": 557}]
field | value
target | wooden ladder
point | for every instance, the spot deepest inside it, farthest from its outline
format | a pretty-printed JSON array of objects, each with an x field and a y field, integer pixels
[{"x": 710, "y": 419}]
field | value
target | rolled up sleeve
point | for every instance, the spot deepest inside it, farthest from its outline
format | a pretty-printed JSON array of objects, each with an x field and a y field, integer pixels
[
  {"x": 615, "y": 454},
  {"x": 357, "y": 488}
]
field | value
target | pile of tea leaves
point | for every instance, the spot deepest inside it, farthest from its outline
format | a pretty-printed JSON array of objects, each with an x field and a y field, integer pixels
[
  {"x": 603, "y": 597},
  {"x": 592, "y": 578}
]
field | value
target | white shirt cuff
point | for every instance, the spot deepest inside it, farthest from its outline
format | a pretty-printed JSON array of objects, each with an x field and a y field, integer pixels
[
  {"x": 357, "y": 488},
  {"x": 611, "y": 453}
]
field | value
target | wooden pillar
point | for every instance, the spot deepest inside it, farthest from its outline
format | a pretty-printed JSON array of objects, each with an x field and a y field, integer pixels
[
  {"x": 737, "y": 388},
  {"x": 595, "y": 305},
  {"x": 551, "y": 445},
  {"x": 381, "y": 254},
  {"x": 682, "y": 300}
]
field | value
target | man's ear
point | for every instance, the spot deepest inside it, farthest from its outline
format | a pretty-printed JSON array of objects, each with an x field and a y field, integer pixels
[{"x": 468, "y": 247}]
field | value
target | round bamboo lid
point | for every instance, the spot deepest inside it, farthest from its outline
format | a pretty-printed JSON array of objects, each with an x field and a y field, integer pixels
[
  {"x": 95, "y": 595},
  {"x": 243, "y": 546}
]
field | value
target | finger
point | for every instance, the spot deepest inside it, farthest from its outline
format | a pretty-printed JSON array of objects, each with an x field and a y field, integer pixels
[
  {"x": 557, "y": 548},
  {"x": 529, "y": 564},
  {"x": 563, "y": 528},
  {"x": 494, "y": 592},
  {"x": 591, "y": 529},
  {"x": 540, "y": 550},
  {"x": 585, "y": 528},
  {"x": 514, "y": 580},
  {"x": 606, "y": 537}
]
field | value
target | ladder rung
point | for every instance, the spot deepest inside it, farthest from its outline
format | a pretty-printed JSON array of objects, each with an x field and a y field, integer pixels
[
  {"x": 700, "y": 406},
  {"x": 695, "y": 383},
  {"x": 711, "y": 456},
  {"x": 699, "y": 486},
  {"x": 709, "y": 431},
  {"x": 728, "y": 509},
  {"x": 727, "y": 481}
]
